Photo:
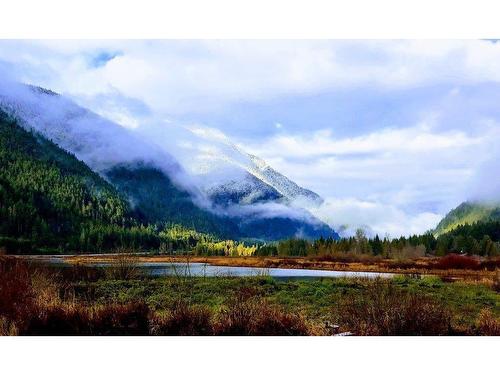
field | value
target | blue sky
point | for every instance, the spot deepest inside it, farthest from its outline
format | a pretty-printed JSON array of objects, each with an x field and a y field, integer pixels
[{"x": 392, "y": 134}]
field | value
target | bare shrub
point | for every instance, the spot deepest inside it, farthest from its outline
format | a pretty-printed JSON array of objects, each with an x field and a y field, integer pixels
[
  {"x": 491, "y": 263},
  {"x": 80, "y": 272},
  {"x": 248, "y": 315},
  {"x": 487, "y": 324},
  {"x": 458, "y": 262},
  {"x": 408, "y": 252},
  {"x": 183, "y": 320},
  {"x": 17, "y": 297},
  {"x": 347, "y": 258},
  {"x": 404, "y": 264},
  {"x": 382, "y": 309},
  {"x": 59, "y": 320},
  {"x": 124, "y": 266},
  {"x": 121, "y": 319},
  {"x": 45, "y": 288},
  {"x": 74, "y": 319}
]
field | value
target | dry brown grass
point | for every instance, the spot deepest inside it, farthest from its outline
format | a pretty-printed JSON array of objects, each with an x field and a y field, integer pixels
[
  {"x": 46, "y": 289},
  {"x": 487, "y": 324},
  {"x": 36, "y": 300},
  {"x": 31, "y": 304},
  {"x": 183, "y": 320},
  {"x": 457, "y": 262},
  {"x": 124, "y": 266},
  {"x": 17, "y": 296},
  {"x": 7, "y": 328},
  {"x": 496, "y": 281},
  {"x": 79, "y": 272},
  {"x": 75, "y": 319},
  {"x": 246, "y": 314},
  {"x": 382, "y": 309}
]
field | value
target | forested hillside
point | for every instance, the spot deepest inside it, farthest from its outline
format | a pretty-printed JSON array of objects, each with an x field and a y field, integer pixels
[
  {"x": 50, "y": 199},
  {"x": 480, "y": 238},
  {"x": 468, "y": 213},
  {"x": 156, "y": 199}
]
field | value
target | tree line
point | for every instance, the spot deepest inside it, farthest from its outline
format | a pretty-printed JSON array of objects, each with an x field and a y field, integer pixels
[{"x": 471, "y": 239}]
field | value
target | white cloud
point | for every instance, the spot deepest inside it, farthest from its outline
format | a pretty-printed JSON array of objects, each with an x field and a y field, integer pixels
[
  {"x": 397, "y": 154},
  {"x": 347, "y": 215},
  {"x": 187, "y": 76},
  {"x": 420, "y": 138}
]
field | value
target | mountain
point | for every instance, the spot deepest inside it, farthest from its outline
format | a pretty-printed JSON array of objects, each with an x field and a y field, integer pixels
[
  {"x": 262, "y": 183},
  {"x": 155, "y": 199},
  {"x": 244, "y": 191},
  {"x": 281, "y": 183},
  {"x": 468, "y": 213},
  {"x": 227, "y": 173},
  {"x": 154, "y": 184},
  {"x": 109, "y": 149},
  {"x": 261, "y": 179},
  {"x": 243, "y": 185}
]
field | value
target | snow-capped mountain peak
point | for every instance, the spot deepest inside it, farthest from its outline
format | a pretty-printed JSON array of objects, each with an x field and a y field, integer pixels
[{"x": 222, "y": 166}]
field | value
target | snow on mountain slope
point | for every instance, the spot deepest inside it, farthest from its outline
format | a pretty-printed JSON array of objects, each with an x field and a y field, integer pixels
[
  {"x": 220, "y": 167},
  {"x": 282, "y": 183},
  {"x": 244, "y": 191},
  {"x": 227, "y": 152}
]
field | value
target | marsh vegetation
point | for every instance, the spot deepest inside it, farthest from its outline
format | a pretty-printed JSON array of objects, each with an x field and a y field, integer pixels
[{"x": 82, "y": 300}]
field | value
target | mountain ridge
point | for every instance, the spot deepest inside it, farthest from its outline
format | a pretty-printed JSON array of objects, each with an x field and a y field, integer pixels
[{"x": 104, "y": 145}]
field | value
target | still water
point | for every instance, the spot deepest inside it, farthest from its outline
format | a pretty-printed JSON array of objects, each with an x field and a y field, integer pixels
[{"x": 205, "y": 269}]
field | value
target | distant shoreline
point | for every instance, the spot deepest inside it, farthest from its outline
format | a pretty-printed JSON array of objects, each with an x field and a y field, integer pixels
[{"x": 420, "y": 266}]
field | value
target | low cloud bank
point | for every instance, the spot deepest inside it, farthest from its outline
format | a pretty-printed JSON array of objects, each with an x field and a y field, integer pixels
[{"x": 347, "y": 215}]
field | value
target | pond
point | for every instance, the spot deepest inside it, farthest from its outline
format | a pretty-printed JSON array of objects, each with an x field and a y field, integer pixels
[{"x": 205, "y": 269}]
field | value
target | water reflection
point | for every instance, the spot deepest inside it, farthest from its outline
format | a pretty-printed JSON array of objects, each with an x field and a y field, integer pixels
[{"x": 205, "y": 269}]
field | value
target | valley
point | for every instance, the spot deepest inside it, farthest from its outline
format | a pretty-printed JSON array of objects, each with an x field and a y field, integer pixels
[{"x": 105, "y": 232}]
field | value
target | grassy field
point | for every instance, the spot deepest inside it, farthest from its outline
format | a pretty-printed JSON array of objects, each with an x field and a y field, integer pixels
[
  {"x": 89, "y": 301},
  {"x": 315, "y": 299}
]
